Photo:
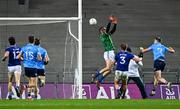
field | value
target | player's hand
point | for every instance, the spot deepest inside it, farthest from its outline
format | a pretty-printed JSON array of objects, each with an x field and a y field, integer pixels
[
  {"x": 111, "y": 18},
  {"x": 141, "y": 49},
  {"x": 114, "y": 21},
  {"x": 171, "y": 48}
]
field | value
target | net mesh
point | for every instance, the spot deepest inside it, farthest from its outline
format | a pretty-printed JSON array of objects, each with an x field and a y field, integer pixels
[
  {"x": 70, "y": 73},
  {"x": 59, "y": 38}
]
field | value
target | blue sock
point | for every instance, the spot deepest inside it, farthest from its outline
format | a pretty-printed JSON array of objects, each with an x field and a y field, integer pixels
[
  {"x": 101, "y": 78},
  {"x": 97, "y": 74}
]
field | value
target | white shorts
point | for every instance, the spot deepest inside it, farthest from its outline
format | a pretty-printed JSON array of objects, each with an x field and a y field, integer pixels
[
  {"x": 109, "y": 55},
  {"x": 14, "y": 69},
  {"x": 121, "y": 75}
]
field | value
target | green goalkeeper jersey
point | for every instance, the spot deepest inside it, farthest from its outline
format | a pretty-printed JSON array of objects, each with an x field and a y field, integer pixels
[{"x": 107, "y": 42}]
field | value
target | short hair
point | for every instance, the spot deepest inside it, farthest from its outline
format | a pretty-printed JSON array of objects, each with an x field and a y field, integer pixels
[
  {"x": 123, "y": 46},
  {"x": 31, "y": 39},
  {"x": 129, "y": 49},
  {"x": 158, "y": 39},
  {"x": 37, "y": 41},
  {"x": 12, "y": 41}
]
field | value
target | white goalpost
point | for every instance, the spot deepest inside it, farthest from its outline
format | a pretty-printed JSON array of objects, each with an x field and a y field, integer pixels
[{"x": 77, "y": 86}]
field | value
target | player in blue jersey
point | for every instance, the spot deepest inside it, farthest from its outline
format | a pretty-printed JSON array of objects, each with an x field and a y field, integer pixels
[
  {"x": 159, "y": 51},
  {"x": 41, "y": 64},
  {"x": 30, "y": 56},
  {"x": 14, "y": 66},
  {"x": 133, "y": 74},
  {"x": 122, "y": 64}
]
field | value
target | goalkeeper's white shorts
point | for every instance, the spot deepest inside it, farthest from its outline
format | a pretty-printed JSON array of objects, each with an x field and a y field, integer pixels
[{"x": 109, "y": 55}]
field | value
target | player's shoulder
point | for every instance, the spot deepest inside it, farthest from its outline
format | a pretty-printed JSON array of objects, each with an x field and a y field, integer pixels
[
  {"x": 7, "y": 48},
  {"x": 24, "y": 47},
  {"x": 163, "y": 45}
]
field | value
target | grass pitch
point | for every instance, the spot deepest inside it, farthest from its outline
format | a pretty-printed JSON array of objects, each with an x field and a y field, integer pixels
[{"x": 90, "y": 104}]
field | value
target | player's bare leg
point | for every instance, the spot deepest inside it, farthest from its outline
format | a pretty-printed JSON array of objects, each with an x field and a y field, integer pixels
[
  {"x": 103, "y": 73},
  {"x": 155, "y": 83},
  {"x": 17, "y": 80},
  {"x": 29, "y": 88},
  {"x": 34, "y": 83},
  {"x": 117, "y": 87},
  {"x": 124, "y": 78},
  {"x": 42, "y": 80},
  {"x": 10, "y": 78},
  {"x": 162, "y": 80}
]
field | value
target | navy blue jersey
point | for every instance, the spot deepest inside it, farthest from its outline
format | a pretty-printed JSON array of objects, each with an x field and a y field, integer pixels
[
  {"x": 123, "y": 59},
  {"x": 13, "y": 53}
]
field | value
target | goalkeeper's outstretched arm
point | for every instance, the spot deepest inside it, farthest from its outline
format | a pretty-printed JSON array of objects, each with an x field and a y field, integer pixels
[
  {"x": 113, "y": 20},
  {"x": 113, "y": 29}
]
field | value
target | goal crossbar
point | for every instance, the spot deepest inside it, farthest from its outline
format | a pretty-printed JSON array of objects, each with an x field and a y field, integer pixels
[{"x": 40, "y": 18}]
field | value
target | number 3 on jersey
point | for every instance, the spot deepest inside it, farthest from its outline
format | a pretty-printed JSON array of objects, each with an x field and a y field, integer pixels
[{"x": 122, "y": 60}]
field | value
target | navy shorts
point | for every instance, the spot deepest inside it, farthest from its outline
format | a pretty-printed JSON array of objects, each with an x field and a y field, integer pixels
[
  {"x": 159, "y": 65},
  {"x": 40, "y": 72},
  {"x": 30, "y": 72}
]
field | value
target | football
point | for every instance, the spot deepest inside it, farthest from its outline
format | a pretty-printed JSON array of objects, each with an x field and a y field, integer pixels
[{"x": 92, "y": 21}]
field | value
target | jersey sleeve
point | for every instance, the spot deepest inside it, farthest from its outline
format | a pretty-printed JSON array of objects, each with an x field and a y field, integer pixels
[
  {"x": 45, "y": 52},
  {"x": 150, "y": 47},
  {"x": 131, "y": 56},
  {"x": 7, "y": 49},
  {"x": 22, "y": 50},
  {"x": 116, "y": 57},
  {"x": 19, "y": 49},
  {"x": 166, "y": 48}
]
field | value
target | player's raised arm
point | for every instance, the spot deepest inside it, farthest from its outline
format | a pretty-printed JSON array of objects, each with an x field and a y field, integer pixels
[
  {"x": 109, "y": 24},
  {"x": 6, "y": 55},
  {"x": 142, "y": 50},
  {"x": 171, "y": 50},
  {"x": 114, "y": 21}
]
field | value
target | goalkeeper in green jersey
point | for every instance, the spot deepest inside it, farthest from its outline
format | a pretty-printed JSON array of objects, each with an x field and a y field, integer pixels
[{"x": 109, "y": 55}]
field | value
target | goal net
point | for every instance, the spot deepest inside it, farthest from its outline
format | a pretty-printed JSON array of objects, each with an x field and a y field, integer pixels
[{"x": 60, "y": 39}]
